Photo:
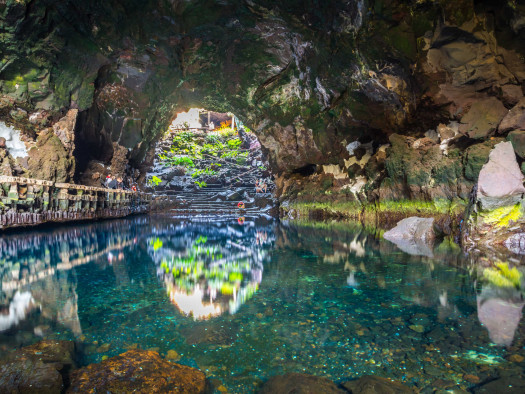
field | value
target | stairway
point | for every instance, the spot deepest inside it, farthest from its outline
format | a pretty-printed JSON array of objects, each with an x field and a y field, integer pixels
[{"x": 231, "y": 184}]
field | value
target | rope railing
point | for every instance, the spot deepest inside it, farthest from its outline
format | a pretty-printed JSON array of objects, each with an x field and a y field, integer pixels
[{"x": 26, "y": 201}]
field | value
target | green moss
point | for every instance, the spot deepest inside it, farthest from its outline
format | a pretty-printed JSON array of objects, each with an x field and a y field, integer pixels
[
  {"x": 503, "y": 216},
  {"x": 402, "y": 38}
]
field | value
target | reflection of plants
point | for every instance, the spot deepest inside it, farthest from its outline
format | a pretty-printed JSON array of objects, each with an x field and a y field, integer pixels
[
  {"x": 503, "y": 276},
  {"x": 157, "y": 244},
  {"x": 201, "y": 240}
]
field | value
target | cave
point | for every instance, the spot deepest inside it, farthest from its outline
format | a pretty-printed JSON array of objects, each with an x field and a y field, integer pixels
[{"x": 262, "y": 196}]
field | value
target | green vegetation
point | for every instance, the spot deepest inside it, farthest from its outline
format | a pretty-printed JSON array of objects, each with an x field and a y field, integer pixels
[
  {"x": 201, "y": 184},
  {"x": 188, "y": 149},
  {"x": 154, "y": 181},
  {"x": 501, "y": 217}
]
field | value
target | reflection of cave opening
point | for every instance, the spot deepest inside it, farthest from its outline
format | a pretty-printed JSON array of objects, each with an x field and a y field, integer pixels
[{"x": 208, "y": 161}]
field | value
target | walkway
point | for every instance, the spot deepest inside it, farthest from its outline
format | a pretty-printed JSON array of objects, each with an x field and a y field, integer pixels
[{"x": 28, "y": 202}]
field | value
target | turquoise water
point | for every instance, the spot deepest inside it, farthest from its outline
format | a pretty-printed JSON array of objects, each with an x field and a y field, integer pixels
[{"x": 245, "y": 302}]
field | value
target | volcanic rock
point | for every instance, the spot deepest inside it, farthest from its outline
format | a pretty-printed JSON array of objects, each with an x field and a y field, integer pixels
[
  {"x": 514, "y": 119},
  {"x": 376, "y": 385},
  {"x": 483, "y": 118},
  {"x": 37, "y": 368},
  {"x": 299, "y": 383},
  {"x": 137, "y": 371}
]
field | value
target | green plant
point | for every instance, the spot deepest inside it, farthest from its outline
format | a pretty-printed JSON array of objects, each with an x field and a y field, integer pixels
[
  {"x": 206, "y": 171},
  {"x": 234, "y": 143},
  {"x": 201, "y": 184},
  {"x": 154, "y": 181}
]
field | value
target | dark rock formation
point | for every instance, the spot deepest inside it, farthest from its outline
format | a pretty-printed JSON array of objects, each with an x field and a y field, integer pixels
[
  {"x": 49, "y": 159},
  {"x": 37, "y": 368},
  {"x": 140, "y": 371},
  {"x": 386, "y": 100},
  {"x": 376, "y": 385}
]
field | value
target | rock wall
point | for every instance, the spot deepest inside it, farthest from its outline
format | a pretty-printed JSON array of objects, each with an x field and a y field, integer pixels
[{"x": 419, "y": 90}]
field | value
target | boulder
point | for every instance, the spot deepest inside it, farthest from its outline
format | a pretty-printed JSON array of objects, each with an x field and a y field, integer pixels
[
  {"x": 514, "y": 119},
  {"x": 413, "y": 235},
  {"x": 37, "y": 368},
  {"x": 49, "y": 159},
  {"x": 511, "y": 94},
  {"x": 299, "y": 383},
  {"x": 412, "y": 228},
  {"x": 483, "y": 118},
  {"x": 137, "y": 371},
  {"x": 500, "y": 181},
  {"x": 376, "y": 385},
  {"x": 517, "y": 139}
]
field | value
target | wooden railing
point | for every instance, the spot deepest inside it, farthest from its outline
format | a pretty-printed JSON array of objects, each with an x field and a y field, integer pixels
[{"x": 26, "y": 201}]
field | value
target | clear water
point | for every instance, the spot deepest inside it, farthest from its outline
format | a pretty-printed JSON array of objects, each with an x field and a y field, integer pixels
[{"x": 245, "y": 302}]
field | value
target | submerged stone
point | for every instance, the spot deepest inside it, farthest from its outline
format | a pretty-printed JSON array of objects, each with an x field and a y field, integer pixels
[
  {"x": 299, "y": 383},
  {"x": 137, "y": 371},
  {"x": 37, "y": 368},
  {"x": 370, "y": 384}
]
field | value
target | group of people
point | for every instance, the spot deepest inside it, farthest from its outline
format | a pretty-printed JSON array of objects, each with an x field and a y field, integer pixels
[{"x": 113, "y": 182}]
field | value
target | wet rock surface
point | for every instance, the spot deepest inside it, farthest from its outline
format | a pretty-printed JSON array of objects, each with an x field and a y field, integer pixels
[
  {"x": 139, "y": 371},
  {"x": 376, "y": 385},
  {"x": 41, "y": 368},
  {"x": 299, "y": 383},
  {"x": 269, "y": 70}
]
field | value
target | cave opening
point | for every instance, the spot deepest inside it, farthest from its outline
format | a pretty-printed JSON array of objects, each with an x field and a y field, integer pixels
[{"x": 211, "y": 162}]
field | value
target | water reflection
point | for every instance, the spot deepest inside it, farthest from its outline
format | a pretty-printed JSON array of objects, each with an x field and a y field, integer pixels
[
  {"x": 209, "y": 270},
  {"x": 260, "y": 299}
]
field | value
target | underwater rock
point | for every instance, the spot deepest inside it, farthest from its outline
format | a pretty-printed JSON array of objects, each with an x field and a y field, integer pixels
[
  {"x": 500, "y": 181},
  {"x": 137, "y": 371},
  {"x": 299, "y": 383},
  {"x": 37, "y": 368},
  {"x": 370, "y": 384},
  {"x": 504, "y": 385}
]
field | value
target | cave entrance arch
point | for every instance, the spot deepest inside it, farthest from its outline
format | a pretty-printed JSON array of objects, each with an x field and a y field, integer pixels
[{"x": 211, "y": 163}]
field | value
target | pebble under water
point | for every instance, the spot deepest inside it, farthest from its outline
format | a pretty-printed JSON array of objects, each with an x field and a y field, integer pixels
[{"x": 246, "y": 302}]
